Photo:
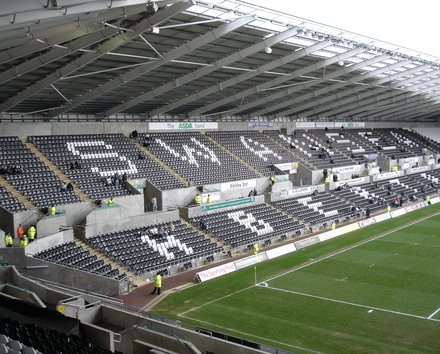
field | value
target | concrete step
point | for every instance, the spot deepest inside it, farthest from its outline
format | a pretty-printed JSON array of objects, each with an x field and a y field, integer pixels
[
  {"x": 161, "y": 163},
  {"x": 137, "y": 280},
  {"x": 76, "y": 189},
  {"x": 234, "y": 156},
  {"x": 16, "y": 193}
]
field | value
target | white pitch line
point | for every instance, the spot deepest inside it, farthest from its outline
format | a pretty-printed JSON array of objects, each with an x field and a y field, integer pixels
[
  {"x": 353, "y": 304},
  {"x": 252, "y": 335},
  {"x": 350, "y": 248},
  {"x": 433, "y": 314}
]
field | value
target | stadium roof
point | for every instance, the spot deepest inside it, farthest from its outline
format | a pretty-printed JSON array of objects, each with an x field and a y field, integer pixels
[{"x": 200, "y": 60}]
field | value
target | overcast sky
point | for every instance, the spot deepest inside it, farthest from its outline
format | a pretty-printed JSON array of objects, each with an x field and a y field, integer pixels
[{"x": 411, "y": 24}]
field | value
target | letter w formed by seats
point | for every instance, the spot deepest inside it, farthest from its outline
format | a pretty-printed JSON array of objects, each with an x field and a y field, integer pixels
[{"x": 192, "y": 152}]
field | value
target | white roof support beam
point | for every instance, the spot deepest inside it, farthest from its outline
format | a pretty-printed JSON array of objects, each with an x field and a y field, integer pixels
[
  {"x": 350, "y": 91},
  {"x": 101, "y": 50},
  {"x": 425, "y": 114},
  {"x": 142, "y": 70},
  {"x": 56, "y": 53},
  {"x": 362, "y": 97},
  {"x": 260, "y": 70},
  {"x": 379, "y": 103},
  {"x": 13, "y": 14},
  {"x": 290, "y": 91},
  {"x": 203, "y": 71},
  {"x": 57, "y": 34},
  {"x": 407, "y": 111},
  {"x": 242, "y": 77},
  {"x": 360, "y": 105},
  {"x": 404, "y": 105}
]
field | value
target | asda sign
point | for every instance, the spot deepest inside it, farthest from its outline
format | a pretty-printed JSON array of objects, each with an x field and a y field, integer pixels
[{"x": 183, "y": 126}]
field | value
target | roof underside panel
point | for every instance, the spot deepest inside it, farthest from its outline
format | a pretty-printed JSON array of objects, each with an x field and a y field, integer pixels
[{"x": 213, "y": 60}]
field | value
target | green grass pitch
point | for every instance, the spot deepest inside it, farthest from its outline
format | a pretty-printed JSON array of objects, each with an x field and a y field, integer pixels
[{"x": 375, "y": 290}]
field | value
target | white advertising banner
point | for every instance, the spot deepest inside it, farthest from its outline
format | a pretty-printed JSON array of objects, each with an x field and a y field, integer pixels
[
  {"x": 280, "y": 251},
  {"x": 298, "y": 191},
  {"x": 183, "y": 126},
  {"x": 325, "y": 124},
  {"x": 389, "y": 175},
  {"x": 216, "y": 271},
  {"x": 305, "y": 124},
  {"x": 353, "y": 168},
  {"x": 419, "y": 169},
  {"x": 350, "y": 124},
  {"x": 231, "y": 186},
  {"x": 258, "y": 125}
]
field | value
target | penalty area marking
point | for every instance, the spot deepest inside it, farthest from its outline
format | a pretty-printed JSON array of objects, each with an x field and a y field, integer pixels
[
  {"x": 252, "y": 335},
  {"x": 370, "y": 308},
  {"x": 433, "y": 314}
]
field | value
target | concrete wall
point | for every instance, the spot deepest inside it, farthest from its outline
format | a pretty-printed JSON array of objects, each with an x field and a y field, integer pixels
[
  {"x": 41, "y": 244},
  {"x": 104, "y": 220},
  {"x": 49, "y": 225},
  {"x": 38, "y": 128}
]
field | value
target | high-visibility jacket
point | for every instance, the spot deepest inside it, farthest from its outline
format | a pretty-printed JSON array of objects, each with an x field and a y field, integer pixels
[
  {"x": 8, "y": 240},
  {"x": 198, "y": 199},
  {"x": 52, "y": 211},
  {"x": 209, "y": 200},
  {"x": 333, "y": 225},
  {"x": 255, "y": 248},
  {"x": 272, "y": 179},
  {"x": 110, "y": 202},
  {"x": 388, "y": 208},
  {"x": 23, "y": 241},
  {"x": 20, "y": 232},
  {"x": 158, "y": 281},
  {"x": 327, "y": 180},
  {"x": 428, "y": 198},
  {"x": 31, "y": 232}
]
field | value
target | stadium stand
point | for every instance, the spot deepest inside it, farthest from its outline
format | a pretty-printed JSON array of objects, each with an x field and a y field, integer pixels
[
  {"x": 9, "y": 202},
  {"x": 101, "y": 156},
  {"x": 256, "y": 149},
  {"x": 314, "y": 153},
  {"x": 197, "y": 158},
  {"x": 247, "y": 225},
  {"x": 156, "y": 249},
  {"x": 72, "y": 255},
  {"x": 30, "y": 176},
  {"x": 28, "y": 338},
  {"x": 316, "y": 209}
]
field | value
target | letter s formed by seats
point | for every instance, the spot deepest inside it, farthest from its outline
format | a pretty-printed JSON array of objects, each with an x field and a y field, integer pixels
[{"x": 103, "y": 151}]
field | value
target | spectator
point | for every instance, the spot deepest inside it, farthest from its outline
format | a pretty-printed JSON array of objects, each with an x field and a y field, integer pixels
[
  {"x": 154, "y": 204},
  {"x": 69, "y": 187},
  {"x": 171, "y": 229},
  {"x": 367, "y": 213},
  {"x": 64, "y": 186}
]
